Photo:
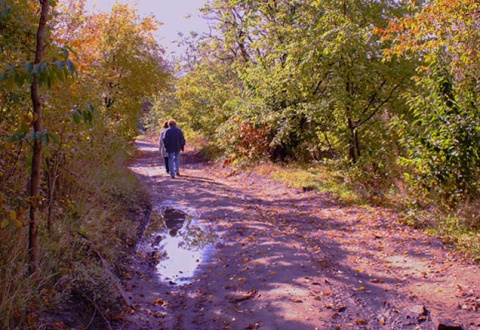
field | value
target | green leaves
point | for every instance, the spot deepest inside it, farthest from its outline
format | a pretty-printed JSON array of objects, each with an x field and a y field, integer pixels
[
  {"x": 46, "y": 137},
  {"x": 47, "y": 73},
  {"x": 441, "y": 139},
  {"x": 441, "y": 136},
  {"x": 84, "y": 115},
  {"x": 312, "y": 72}
]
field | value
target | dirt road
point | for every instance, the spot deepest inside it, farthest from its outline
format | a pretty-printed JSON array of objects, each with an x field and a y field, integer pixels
[{"x": 281, "y": 258}]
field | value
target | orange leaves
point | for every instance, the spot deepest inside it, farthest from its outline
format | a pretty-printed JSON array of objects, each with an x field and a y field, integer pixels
[
  {"x": 440, "y": 23},
  {"x": 336, "y": 308},
  {"x": 376, "y": 280}
]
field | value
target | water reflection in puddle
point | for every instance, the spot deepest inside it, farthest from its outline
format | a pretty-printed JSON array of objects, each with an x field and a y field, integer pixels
[{"x": 175, "y": 243}]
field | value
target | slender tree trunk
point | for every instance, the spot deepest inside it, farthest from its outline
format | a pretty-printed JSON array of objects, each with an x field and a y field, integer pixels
[
  {"x": 357, "y": 143},
  {"x": 352, "y": 144},
  {"x": 37, "y": 144}
]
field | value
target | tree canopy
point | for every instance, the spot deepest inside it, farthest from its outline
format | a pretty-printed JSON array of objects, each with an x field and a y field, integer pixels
[
  {"x": 386, "y": 87},
  {"x": 385, "y": 92}
]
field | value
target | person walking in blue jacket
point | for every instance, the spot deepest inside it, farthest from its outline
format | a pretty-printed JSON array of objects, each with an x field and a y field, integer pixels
[{"x": 174, "y": 142}]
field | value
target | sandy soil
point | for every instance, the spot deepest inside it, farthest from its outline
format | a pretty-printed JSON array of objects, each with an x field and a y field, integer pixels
[{"x": 289, "y": 259}]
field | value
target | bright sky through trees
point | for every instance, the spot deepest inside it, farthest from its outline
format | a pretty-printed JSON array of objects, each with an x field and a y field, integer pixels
[{"x": 177, "y": 16}]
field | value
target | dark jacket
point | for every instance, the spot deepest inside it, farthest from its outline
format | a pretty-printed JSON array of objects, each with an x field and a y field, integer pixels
[{"x": 174, "y": 140}]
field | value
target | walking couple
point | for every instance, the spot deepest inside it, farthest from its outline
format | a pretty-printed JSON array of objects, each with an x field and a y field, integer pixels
[{"x": 171, "y": 143}]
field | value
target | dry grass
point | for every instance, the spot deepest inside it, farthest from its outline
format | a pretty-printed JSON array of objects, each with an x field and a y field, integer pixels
[
  {"x": 91, "y": 230},
  {"x": 313, "y": 178}
]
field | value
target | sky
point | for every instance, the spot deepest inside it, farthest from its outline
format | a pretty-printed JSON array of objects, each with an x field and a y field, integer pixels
[{"x": 176, "y": 15}]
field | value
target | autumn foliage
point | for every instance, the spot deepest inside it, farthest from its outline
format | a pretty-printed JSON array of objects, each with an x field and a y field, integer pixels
[
  {"x": 384, "y": 91},
  {"x": 97, "y": 72},
  {"x": 385, "y": 94}
]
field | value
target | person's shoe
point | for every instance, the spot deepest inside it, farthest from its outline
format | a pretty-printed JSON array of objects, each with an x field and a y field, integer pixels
[{"x": 178, "y": 173}]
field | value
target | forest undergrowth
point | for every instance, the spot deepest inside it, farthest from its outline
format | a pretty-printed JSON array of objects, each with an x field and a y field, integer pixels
[{"x": 83, "y": 250}]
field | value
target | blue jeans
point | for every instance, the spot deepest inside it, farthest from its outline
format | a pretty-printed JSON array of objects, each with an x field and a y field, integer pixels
[{"x": 174, "y": 163}]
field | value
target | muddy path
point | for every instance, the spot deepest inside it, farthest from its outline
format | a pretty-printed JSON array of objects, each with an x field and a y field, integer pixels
[{"x": 273, "y": 257}]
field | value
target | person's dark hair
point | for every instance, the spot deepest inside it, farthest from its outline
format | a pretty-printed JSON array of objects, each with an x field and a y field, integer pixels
[{"x": 165, "y": 124}]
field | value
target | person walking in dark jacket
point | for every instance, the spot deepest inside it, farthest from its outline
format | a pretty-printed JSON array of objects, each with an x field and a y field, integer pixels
[
  {"x": 161, "y": 145},
  {"x": 174, "y": 142}
]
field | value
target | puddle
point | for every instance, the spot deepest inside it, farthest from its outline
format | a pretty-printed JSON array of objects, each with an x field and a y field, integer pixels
[{"x": 175, "y": 243}]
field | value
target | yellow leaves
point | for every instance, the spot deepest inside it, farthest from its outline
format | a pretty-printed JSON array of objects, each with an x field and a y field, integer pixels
[{"x": 12, "y": 217}]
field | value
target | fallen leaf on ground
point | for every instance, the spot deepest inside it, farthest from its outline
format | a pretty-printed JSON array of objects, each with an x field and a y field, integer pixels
[
  {"x": 160, "y": 302},
  {"x": 244, "y": 296},
  {"x": 376, "y": 280}
]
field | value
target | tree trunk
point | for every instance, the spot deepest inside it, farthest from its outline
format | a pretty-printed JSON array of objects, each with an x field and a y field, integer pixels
[
  {"x": 37, "y": 144},
  {"x": 357, "y": 142},
  {"x": 353, "y": 147}
]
